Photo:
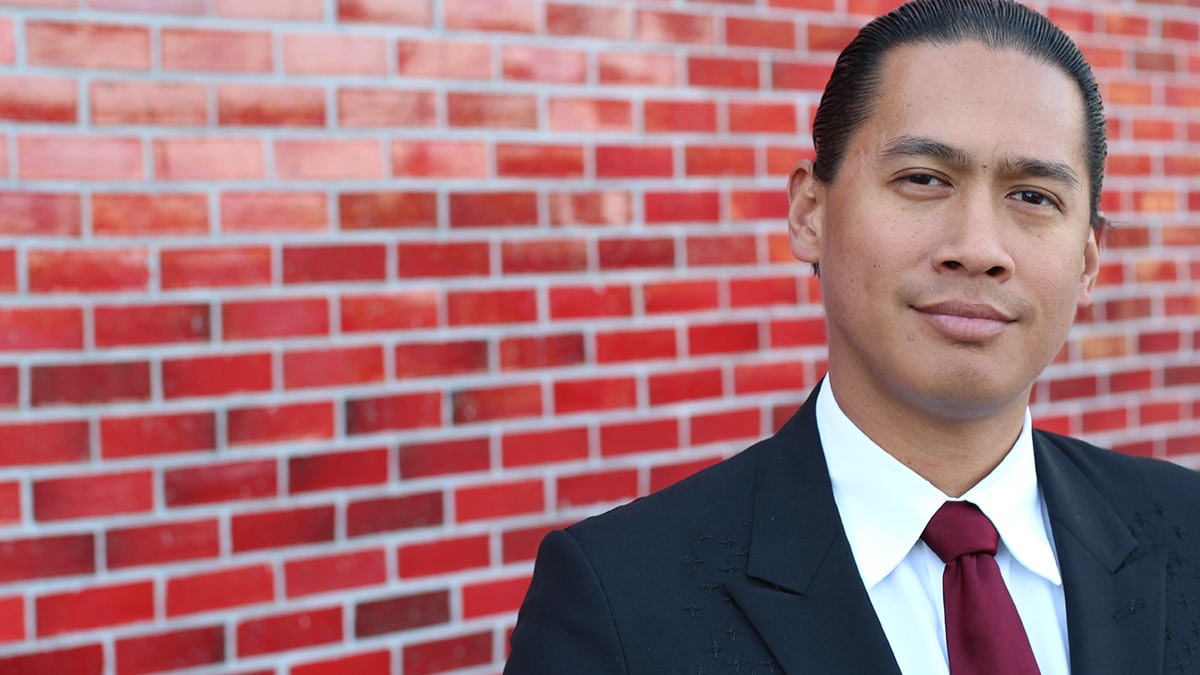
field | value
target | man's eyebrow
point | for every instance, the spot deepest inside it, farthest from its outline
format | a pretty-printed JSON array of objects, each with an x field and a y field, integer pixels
[{"x": 921, "y": 146}]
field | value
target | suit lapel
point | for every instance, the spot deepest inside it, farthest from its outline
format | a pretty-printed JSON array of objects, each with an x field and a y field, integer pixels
[
  {"x": 1114, "y": 588},
  {"x": 804, "y": 595}
]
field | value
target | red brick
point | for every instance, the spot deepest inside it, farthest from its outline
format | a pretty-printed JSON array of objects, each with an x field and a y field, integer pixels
[
  {"x": 145, "y": 435},
  {"x": 635, "y": 68},
  {"x": 395, "y": 412},
  {"x": 681, "y": 296},
  {"x": 282, "y": 632},
  {"x": 484, "y": 405},
  {"x": 539, "y": 161},
  {"x": 39, "y": 329},
  {"x": 364, "y": 107},
  {"x": 635, "y": 345},
  {"x": 46, "y": 557},
  {"x": 333, "y": 367},
  {"x": 79, "y": 158},
  {"x": 216, "y": 50},
  {"x": 519, "y": 16},
  {"x": 541, "y": 351},
  {"x": 762, "y": 292},
  {"x": 441, "y": 159},
  {"x": 588, "y": 489},
  {"x": 281, "y": 528},
  {"x": 1076, "y": 387},
  {"x": 800, "y": 76},
  {"x": 334, "y": 572},
  {"x": 679, "y": 116},
  {"x": 522, "y": 543},
  {"x": 724, "y": 250},
  {"x": 7, "y": 47},
  {"x": 89, "y": 383},
  {"x": 578, "y": 302},
  {"x": 544, "y": 446},
  {"x": 334, "y": 54},
  {"x": 488, "y": 209},
  {"x": 722, "y": 72},
  {"x": 372, "y": 663},
  {"x": 612, "y": 23},
  {"x": 42, "y": 214},
  {"x": 38, "y": 99},
  {"x": 629, "y": 161},
  {"x": 594, "y": 394},
  {"x": 85, "y": 660},
  {"x": 169, "y": 651},
  {"x": 636, "y": 253},
  {"x": 612, "y": 207},
  {"x": 443, "y": 259},
  {"x": 272, "y": 9},
  {"x": 1175, "y": 376},
  {"x": 1159, "y": 342},
  {"x": 450, "y": 59},
  {"x": 212, "y": 483},
  {"x": 563, "y": 66},
  {"x": 1187, "y": 31},
  {"x": 87, "y": 45},
  {"x": 498, "y": 500},
  {"x": 675, "y": 27},
  {"x": 671, "y": 207},
  {"x": 10, "y": 386},
  {"x": 491, "y": 307},
  {"x": 95, "y": 607},
  {"x": 760, "y": 33},
  {"x": 822, "y": 37},
  {"x": 93, "y": 495},
  {"x": 1181, "y": 445},
  {"x": 438, "y": 656},
  {"x": 328, "y": 263},
  {"x": 492, "y": 111},
  {"x": 673, "y": 387},
  {"x": 216, "y": 375},
  {"x": 150, "y": 324},
  {"x": 724, "y": 426},
  {"x": 10, "y": 512},
  {"x": 756, "y": 378},
  {"x": 414, "y": 13},
  {"x": 390, "y": 514},
  {"x": 668, "y": 474},
  {"x": 719, "y": 161},
  {"x": 220, "y": 589},
  {"x": 215, "y": 267},
  {"x": 441, "y": 358},
  {"x": 543, "y": 256},
  {"x": 258, "y": 319},
  {"x": 148, "y": 215},
  {"x": 337, "y": 469},
  {"x": 443, "y": 556},
  {"x": 256, "y": 212},
  {"x": 209, "y": 158},
  {"x": 328, "y": 159},
  {"x": 90, "y": 270},
  {"x": 632, "y": 437},
  {"x": 1159, "y": 413},
  {"x": 169, "y": 7},
  {"x": 401, "y": 613},
  {"x": 270, "y": 106},
  {"x": 12, "y": 619},
  {"x": 761, "y": 118},
  {"x": 797, "y": 332},
  {"x": 590, "y": 114},
  {"x": 398, "y": 310},
  {"x": 49, "y": 442},
  {"x": 1135, "y": 380},
  {"x": 439, "y": 458},
  {"x": 162, "y": 543},
  {"x": 272, "y": 424},
  {"x": 388, "y": 210},
  {"x": 149, "y": 103},
  {"x": 494, "y": 597},
  {"x": 758, "y": 205}
]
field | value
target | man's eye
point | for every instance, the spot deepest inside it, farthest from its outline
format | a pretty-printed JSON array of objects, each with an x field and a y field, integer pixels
[
  {"x": 1035, "y": 198},
  {"x": 923, "y": 179}
]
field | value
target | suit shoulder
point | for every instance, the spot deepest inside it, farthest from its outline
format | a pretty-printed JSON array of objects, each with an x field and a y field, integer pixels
[{"x": 1118, "y": 473}]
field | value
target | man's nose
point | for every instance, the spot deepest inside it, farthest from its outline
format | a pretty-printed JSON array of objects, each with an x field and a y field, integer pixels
[{"x": 972, "y": 240}]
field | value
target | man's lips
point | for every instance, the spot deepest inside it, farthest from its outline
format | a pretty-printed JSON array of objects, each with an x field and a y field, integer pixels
[{"x": 964, "y": 321}]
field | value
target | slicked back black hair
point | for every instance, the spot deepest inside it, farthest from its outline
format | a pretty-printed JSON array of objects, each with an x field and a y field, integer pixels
[{"x": 852, "y": 91}]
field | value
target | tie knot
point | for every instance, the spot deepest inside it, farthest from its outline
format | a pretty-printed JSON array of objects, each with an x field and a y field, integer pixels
[{"x": 958, "y": 529}]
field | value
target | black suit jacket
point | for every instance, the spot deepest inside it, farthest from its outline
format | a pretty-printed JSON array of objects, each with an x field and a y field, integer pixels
[{"x": 744, "y": 568}]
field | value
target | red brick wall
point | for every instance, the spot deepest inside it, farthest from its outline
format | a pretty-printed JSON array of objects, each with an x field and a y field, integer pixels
[{"x": 316, "y": 314}]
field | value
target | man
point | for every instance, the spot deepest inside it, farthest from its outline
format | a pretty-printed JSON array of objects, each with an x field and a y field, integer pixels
[{"x": 952, "y": 213}]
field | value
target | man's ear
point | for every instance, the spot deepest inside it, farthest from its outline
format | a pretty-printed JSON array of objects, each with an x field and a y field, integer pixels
[
  {"x": 1091, "y": 267},
  {"x": 806, "y": 208}
]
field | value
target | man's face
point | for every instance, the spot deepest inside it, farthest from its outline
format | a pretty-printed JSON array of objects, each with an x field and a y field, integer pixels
[{"x": 954, "y": 243}]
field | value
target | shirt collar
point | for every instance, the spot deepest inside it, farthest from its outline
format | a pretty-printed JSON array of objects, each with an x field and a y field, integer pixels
[{"x": 884, "y": 505}]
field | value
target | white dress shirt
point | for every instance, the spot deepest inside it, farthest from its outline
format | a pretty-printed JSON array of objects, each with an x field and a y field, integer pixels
[{"x": 884, "y": 508}]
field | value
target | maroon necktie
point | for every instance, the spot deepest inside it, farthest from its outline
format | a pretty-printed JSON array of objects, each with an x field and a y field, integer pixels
[{"x": 984, "y": 635}]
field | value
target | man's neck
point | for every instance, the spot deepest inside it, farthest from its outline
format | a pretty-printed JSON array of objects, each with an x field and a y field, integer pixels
[{"x": 952, "y": 454}]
